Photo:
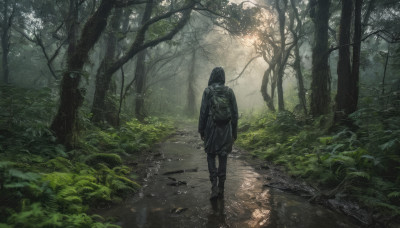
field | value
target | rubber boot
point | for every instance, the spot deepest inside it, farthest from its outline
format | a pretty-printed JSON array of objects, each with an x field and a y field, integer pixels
[
  {"x": 221, "y": 189},
  {"x": 214, "y": 190}
]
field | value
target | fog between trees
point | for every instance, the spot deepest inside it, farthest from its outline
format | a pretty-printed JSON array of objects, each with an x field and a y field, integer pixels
[
  {"x": 86, "y": 84},
  {"x": 155, "y": 58}
]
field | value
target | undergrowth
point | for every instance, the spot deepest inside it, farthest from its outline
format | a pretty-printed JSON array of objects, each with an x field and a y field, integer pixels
[
  {"x": 42, "y": 184},
  {"x": 362, "y": 163}
]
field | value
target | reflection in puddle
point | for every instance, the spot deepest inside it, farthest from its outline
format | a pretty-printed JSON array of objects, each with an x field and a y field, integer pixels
[
  {"x": 254, "y": 200},
  {"x": 217, "y": 217},
  {"x": 259, "y": 217}
]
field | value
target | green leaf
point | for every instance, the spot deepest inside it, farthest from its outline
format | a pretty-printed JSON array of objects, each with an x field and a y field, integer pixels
[
  {"x": 394, "y": 194},
  {"x": 359, "y": 174}
]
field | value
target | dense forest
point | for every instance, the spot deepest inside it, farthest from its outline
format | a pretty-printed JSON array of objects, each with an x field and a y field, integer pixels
[{"x": 89, "y": 86}]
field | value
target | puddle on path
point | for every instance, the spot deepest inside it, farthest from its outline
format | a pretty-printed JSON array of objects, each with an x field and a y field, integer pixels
[{"x": 182, "y": 199}]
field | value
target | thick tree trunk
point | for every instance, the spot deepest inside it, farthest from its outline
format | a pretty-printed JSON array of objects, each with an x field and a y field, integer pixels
[
  {"x": 5, "y": 41},
  {"x": 320, "y": 85},
  {"x": 282, "y": 62},
  {"x": 140, "y": 85},
  {"x": 103, "y": 78},
  {"x": 71, "y": 98},
  {"x": 355, "y": 74},
  {"x": 191, "y": 102},
  {"x": 301, "y": 93},
  {"x": 344, "y": 93},
  {"x": 72, "y": 26},
  {"x": 300, "y": 82},
  {"x": 140, "y": 71},
  {"x": 5, "y": 46}
]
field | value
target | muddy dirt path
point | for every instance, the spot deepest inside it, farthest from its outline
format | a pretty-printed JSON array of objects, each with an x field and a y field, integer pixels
[{"x": 176, "y": 193}]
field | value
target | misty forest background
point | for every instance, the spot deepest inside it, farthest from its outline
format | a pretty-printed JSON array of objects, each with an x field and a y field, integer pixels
[{"x": 85, "y": 83}]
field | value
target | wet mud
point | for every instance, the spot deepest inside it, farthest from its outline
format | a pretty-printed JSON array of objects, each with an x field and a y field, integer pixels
[{"x": 176, "y": 191}]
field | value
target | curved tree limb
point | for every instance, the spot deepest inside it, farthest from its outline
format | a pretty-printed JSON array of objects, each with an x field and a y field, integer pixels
[
  {"x": 244, "y": 68},
  {"x": 139, "y": 45}
]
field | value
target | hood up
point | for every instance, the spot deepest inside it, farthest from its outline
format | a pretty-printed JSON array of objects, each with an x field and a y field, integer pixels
[{"x": 217, "y": 76}]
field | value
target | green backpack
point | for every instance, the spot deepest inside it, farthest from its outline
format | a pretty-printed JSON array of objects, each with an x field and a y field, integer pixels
[{"x": 220, "y": 105}]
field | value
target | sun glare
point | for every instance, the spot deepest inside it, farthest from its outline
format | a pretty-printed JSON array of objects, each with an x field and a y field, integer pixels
[{"x": 249, "y": 40}]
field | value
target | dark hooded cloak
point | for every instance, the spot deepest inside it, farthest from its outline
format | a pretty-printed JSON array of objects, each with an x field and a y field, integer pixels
[{"x": 217, "y": 139}]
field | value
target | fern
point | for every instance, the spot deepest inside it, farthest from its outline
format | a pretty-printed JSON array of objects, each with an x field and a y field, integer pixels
[
  {"x": 366, "y": 159},
  {"x": 359, "y": 174},
  {"x": 110, "y": 160},
  {"x": 57, "y": 180},
  {"x": 59, "y": 164},
  {"x": 394, "y": 194},
  {"x": 45, "y": 186},
  {"x": 102, "y": 193}
]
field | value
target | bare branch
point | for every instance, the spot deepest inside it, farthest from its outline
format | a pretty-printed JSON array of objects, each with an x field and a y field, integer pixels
[
  {"x": 57, "y": 51},
  {"x": 54, "y": 34},
  {"x": 209, "y": 11},
  {"x": 248, "y": 63},
  {"x": 139, "y": 45},
  {"x": 40, "y": 43},
  {"x": 24, "y": 35},
  {"x": 125, "y": 3},
  {"x": 377, "y": 33}
]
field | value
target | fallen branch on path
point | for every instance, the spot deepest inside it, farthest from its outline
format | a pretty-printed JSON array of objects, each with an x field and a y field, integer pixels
[{"x": 180, "y": 171}]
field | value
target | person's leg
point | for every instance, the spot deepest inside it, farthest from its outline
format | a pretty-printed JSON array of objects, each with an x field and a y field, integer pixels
[
  {"x": 212, "y": 169},
  {"x": 222, "y": 160}
]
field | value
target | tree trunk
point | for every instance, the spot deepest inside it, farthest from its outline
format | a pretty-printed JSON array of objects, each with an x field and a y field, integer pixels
[
  {"x": 72, "y": 26},
  {"x": 297, "y": 59},
  {"x": 5, "y": 45},
  {"x": 140, "y": 85},
  {"x": 103, "y": 78},
  {"x": 107, "y": 69},
  {"x": 5, "y": 41},
  {"x": 384, "y": 70},
  {"x": 191, "y": 102},
  {"x": 320, "y": 85},
  {"x": 279, "y": 86},
  {"x": 264, "y": 89},
  {"x": 355, "y": 74},
  {"x": 300, "y": 83},
  {"x": 140, "y": 71},
  {"x": 71, "y": 98},
  {"x": 121, "y": 97},
  {"x": 282, "y": 62},
  {"x": 344, "y": 95}
]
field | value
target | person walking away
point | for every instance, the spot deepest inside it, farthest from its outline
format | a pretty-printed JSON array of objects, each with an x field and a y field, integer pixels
[{"x": 218, "y": 127}]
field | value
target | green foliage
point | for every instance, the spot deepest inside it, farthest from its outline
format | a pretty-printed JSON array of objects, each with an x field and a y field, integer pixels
[
  {"x": 111, "y": 160},
  {"x": 59, "y": 164},
  {"x": 24, "y": 121},
  {"x": 41, "y": 184},
  {"x": 133, "y": 137},
  {"x": 363, "y": 164},
  {"x": 37, "y": 215}
]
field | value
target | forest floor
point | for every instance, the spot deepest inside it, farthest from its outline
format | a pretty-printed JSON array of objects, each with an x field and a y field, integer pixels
[{"x": 176, "y": 188}]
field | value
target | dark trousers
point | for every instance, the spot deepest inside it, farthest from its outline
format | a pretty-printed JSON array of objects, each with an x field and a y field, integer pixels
[{"x": 215, "y": 172}]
